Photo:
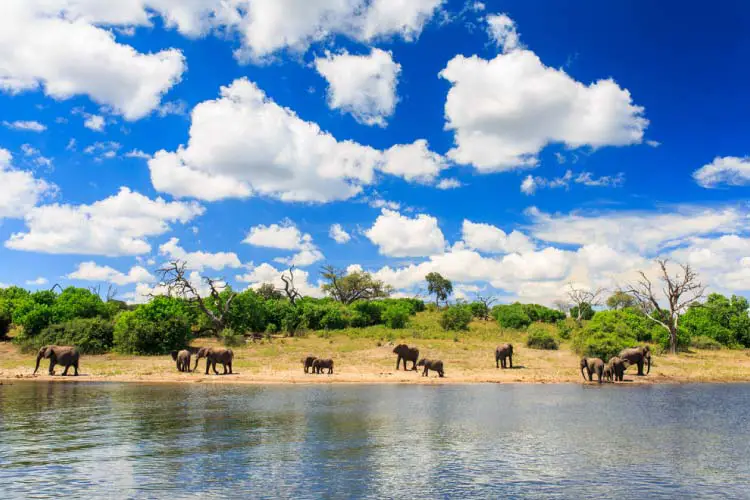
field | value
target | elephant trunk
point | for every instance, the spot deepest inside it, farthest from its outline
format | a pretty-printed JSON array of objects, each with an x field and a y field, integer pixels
[
  {"x": 38, "y": 360},
  {"x": 649, "y": 365},
  {"x": 583, "y": 365}
]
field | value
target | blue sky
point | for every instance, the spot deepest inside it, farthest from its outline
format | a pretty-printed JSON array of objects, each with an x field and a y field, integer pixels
[{"x": 515, "y": 148}]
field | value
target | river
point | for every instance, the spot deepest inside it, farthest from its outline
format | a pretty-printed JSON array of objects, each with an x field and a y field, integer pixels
[{"x": 376, "y": 441}]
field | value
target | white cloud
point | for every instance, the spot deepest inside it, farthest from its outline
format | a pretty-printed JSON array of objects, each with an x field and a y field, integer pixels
[
  {"x": 502, "y": 29},
  {"x": 66, "y": 55},
  {"x": 199, "y": 260},
  {"x": 728, "y": 170},
  {"x": 270, "y": 151},
  {"x": 137, "y": 153},
  {"x": 448, "y": 184},
  {"x": 491, "y": 239},
  {"x": 36, "y": 156},
  {"x": 531, "y": 183},
  {"x": 504, "y": 111},
  {"x": 91, "y": 271},
  {"x": 413, "y": 162},
  {"x": 338, "y": 234},
  {"x": 20, "y": 191},
  {"x": 400, "y": 236},
  {"x": 266, "y": 273},
  {"x": 38, "y": 282},
  {"x": 381, "y": 203},
  {"x": 118, "y": 225},
  {"x": 363, "y": 85},
  {"x": 31, "y": 126},
  {"x": 286, "y": 236},
  {"x": 653, "y": 144},
  {"x": 397, "y": 17},
  {"x": 94, "y": 122}
]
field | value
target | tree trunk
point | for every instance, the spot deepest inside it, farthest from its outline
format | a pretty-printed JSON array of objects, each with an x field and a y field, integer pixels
[{"x": 672, "y": 340}]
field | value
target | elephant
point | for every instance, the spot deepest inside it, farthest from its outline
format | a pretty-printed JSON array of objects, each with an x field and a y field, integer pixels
[
  {"x": 183, "y": 360},
  {"x": 320, "y": 364},
  {"x": 434, "y": 365},
  {"x": 307, "y": 363},
  {"x": 592, "y": 365},
  {"x": 637, "y": 356},
  {"x": 607, "y": 373},
  {"x": 501, "y": 353},
  {"x": 407, "y": 354},
  {"x": 215, "y": 355},
  {"x": 66, "y": 356},
  {"x": 617, "y": 367}
]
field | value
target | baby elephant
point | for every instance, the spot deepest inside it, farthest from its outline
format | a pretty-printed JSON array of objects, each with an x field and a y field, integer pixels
[
  {"x": 319, "y": 365},
  {"x": 592, "y": 365},
  {"x": 501, "y": 353},
  {"x": 607, "y": 373},
  {"x": 434, "y": 365},
  {"x": 616, "y": 367},
  {"x": 183, "y": 360},
  {"x": 307, "y": 363}
]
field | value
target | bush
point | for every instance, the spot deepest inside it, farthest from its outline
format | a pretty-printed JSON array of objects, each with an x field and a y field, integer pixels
[
  {"x": 433, "y": 308},
  {"x": 271, "y": 328},
  {"x": 537, "y": 312},
  {"x": 540, "y": 338},
  {"x": 479, "y": 310},
  {"x": 230, "y": 338},
  {"x": 335, "y": 318},
  {"x": 366, "y": 313},
  {"x": 158, "y": 327},
  {"x": 604, "y": 336},
  {"x": 586, "y": 314},
  {"x": 511, "y": 316},
  {"x": 89, "y": 335},
  {"x": 247, "y": 313},
  {"x": 6, "y": 317},
  {"x": 565, "y": 328},
  {"x": 683, "y": 339},
  {"x": 456, "y": 318},
  {"x": 706, "y": 343},
  {"x": 396, "y": 316}
]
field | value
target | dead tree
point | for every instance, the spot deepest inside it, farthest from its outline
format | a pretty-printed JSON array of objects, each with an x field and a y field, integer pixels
[
  {"x": 486, "y": 301},
  {"x": 563, "y": 306},
  {"x": 175, "y": 280},
  {"x": 289, "y": 289},
  {"x": 582, "y": 296},
  {"x": 680, "y": 290}
]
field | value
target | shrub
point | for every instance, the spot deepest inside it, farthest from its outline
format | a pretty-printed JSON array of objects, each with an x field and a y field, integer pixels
[
  {"x": 511, "y": 316},
  {"x": 230, "y": 338},
  {"x": 703, "y": 342},
  {"x": 158, "y": 327},
  {"x": 396, "y": 315},
  {"x": 565, "y": 328},
  {"x": 661, "y": 337},
  {"x": 587, "y": 312},
  {"x": 271, "y": 328},
  {"x": 456, "y": 318},
  {"x": 366, "y": 313},
  {"x": 335, "y": 318},
  {"x": 540, "y": 338},
  {"x": 89, "y": 335},
  {"x": 247, "y": 313},
  {"x": 604, "y": 336},
  {"x": 537, "y": 312},
  {"x": 479, "y": 310},
  {"x": 6, "y": 317},
  {"x": 433, "y": 308}
]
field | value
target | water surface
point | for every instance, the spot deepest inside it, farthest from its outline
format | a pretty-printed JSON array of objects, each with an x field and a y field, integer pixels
[{"x": 385, "y": 441}]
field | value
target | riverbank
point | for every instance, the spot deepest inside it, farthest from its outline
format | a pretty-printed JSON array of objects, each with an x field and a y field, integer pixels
[{"x": 364, "y": 361}]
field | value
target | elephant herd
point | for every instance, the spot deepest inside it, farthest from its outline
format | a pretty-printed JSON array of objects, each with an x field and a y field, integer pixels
[{"x": 614, "y": 369}]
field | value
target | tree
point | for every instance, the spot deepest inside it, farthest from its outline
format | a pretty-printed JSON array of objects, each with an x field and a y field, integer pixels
[
  {"x": 269, "y": 292},
  {"x": 562, "y": 305},
  {"x": 620, "y": 300},
  {"x": 481, "y": 307},
  {"x": 289, "y": 288},
  {"x": 582, "y": 297},
  {"x": 438, "y": 286},
  {"x": 175, "y": 280},
  {"x": 358, "y": 285},
  {"x": 680, "y": 291}
]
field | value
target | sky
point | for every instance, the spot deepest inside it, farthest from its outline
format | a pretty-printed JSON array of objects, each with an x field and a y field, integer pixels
[{"x": 517, "y": 148}]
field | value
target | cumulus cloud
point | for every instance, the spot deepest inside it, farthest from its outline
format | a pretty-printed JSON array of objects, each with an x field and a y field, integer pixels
[
  {"x": 531, "y": 183},
  {"x": 502, "y": 29},
  {"x": 504, "y": 111},
  {"x": 95, "y": 123},
  {"x": 286, "y": 236},
  {"x": 199, "y": 260},
  {"x": 91, "y": 271},
  {"x": 728, "y": 170},
  {"x": 338, "y": 234},
  {"x": 413, "y": 162},
  {"x": 270, "y": 151},
  {"x": 363, "y": 85},
  {"x": 448, "y": 184},
  {"x": 266, "y": 273},
  {"x": 20, "y": 191},
  {"x": 491, "y": 239},
  {"x": 118, "y": 225},
  {"x": 31, "y": 125},
  {"x": 38, "y": 282},
  {"x": 400, "y": 236}
]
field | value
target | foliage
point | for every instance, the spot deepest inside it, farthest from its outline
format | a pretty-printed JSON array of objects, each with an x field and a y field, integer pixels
[
  {"x": 720, "y": 318},
  {"x": 438, "y": 286},
  {"x": 396, "y": 315},
  {"x": 456, "y": 318},
  {"x": 357, "y": 285},
  {"x": 158, "y": 327},
  {"x": 604, "y": 336},
  {"x": 230, "y": 338},
  {"x": 662, "y": 338},
  {"x": 587, "y": 312},
  {"x": 89, "y": 335},
  {"x": 36, "y": 311},
  {"x": 540, "y": 338},
  {"x": 247, "y": 312},
  {"x": 269, "y": 292},
  {"x": 621, "y": 300},
  {"x": 479, "y": 310},
  {"x": 537, "y": 312},
  {"x": 335, "y": 318},
  {"x": 565, "y": 328},
  {"x": 367, "y": 313},
  {"x": 704, "y": 342},
  {"x": 511, "y": 316}
]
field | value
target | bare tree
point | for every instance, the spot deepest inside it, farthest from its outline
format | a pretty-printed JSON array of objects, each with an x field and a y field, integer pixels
[
  {"x": 486, "y": 301},
  {"x": 582, "y": 296},
  {"x": 111, "y": 291},
  {"x": 175, "y": 280},
  {"x": 562, "y": 305},
  {"x": 680, "y": 290},
  {"x": 289, "y": 288}
]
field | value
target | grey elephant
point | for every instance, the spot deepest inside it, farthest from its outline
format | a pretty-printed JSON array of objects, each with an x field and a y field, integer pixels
[
  {"x": 637, "y": 356},
  {"x": 617, "y": 368},
  {"x": 183, "y": 360},
  {"x": 501, "y": 353},
  {"x": 215, "y": 355},
  {"x": 407, "y": 354},
  {"x": 607, "y": 374},
  {"x": 307, "y": 363},
  {"x": 592, "y": 365},
  {"x": 320, "y": 364},
  {"x": 66, "y": 356},
  {"x": 431, "y": 364}
]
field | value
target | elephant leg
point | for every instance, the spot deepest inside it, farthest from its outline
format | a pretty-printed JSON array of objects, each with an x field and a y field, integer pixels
[
  {"x": 497, "y": 362},
  {"x": 591, "y": 375},
  {"x": 51, "y": 367},
  {"x": 225, "y": 368},
  {"x": 230, "y": 367},
  {"x": 510, "y": 358},
  {"x": 65, "y": 371},
  {"x": 415, "y": 365},
  {"x": 398, "y": 362},
  {"x": 640, "y": 368},
  {"x": 75, "y": 367},
  {"x": 208, "y": 363},
  {"x": 213, "y": 365}
]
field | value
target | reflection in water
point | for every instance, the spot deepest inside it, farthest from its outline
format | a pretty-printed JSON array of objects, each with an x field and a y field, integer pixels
[{"x": 553, "y": 441}]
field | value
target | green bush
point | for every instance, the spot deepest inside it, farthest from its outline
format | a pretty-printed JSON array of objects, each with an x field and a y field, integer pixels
[
  {"x": 704, "y": 342},
  {"x": 431, "y": 307},
  {"x": 511, "y": 316},
  {"x": 335, "y": 318},
  {"x": 565, "y": 328},
  {"x": 586, "y": 314},
  {"x": 661, "y": 337},
  {"x": 456, "y": 318},
  {"x": 272, "y": 328},
  {"x": 479, "y": 310},
  {"x": 158, "y": 327},
  {"x": 367, "y": 313},
  {"x": 230, "y": 338},
  {"x": 537, "y": 312},
  {"x": 540, "y": 338},
  {"x": 89, "y": 335},
  {"x": 604, "y": 336},
  {"x": 396, "y": 315},
  {"x": 247, "y": 313}
]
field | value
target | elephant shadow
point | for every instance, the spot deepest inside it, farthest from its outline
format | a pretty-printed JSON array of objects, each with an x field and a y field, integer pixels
[{"x": 517, "y": 367}]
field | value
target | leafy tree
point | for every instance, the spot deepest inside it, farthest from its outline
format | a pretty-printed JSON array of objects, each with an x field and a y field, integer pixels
[
  {"x": 584, "y": 312},
  {"x": 75, "y": 303},
  {"x": 89, "y": 335},
  {"x": 511, "y": 316},
  {"x": 269, "y": 292},
  {"x": 438, "y": 286},
  {"x": 357, "y": 285},
  {"x": 157, "y": 327},
  {"x": 620, "y": 300},
  {"x": 368, "y": 313},
  {"x": 604, "y": 336},
  {"x": 247, "y": 312},
  {"x": 456, "y": 317},
  {"x": 396, "y": 315},
  {"x": 721, "y": 319}
]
